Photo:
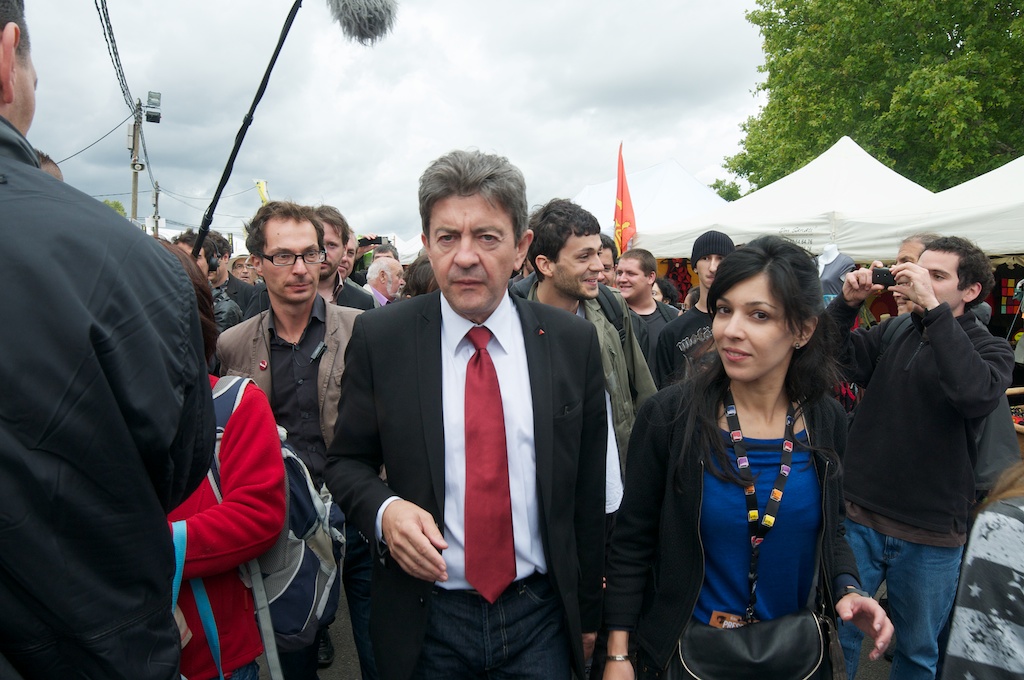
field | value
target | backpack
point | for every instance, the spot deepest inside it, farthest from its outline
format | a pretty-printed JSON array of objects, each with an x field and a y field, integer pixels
[{"x": 296, "y": 584}]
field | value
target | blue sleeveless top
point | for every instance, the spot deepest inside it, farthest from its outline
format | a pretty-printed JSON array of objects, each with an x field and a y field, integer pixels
[{"x": 786, "y": 565}]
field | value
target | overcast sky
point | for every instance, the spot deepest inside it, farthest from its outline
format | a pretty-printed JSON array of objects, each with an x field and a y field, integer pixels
[{"x": 552, "y": 85}]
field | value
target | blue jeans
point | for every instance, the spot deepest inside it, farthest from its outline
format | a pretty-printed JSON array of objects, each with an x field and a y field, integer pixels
[
  {"x": 356, "y": 575},
  {"x": 921, "y": 583},
  {"x": 521, "y": 636},
  {"x": 250, "y": 671}
]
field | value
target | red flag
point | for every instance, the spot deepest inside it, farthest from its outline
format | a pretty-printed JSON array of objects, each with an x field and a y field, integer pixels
[{"x": 625, "y": 222}]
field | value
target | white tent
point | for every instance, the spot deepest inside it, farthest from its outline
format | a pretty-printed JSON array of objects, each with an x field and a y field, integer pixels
[
  {"x": 988, "y": 209},
  {"x": 808, "y": 206},
  {"x": 662, "y": 195}
]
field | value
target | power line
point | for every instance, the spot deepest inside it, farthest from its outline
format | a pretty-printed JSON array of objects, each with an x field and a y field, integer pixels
[
  {"x": 126, "y": 193},
  {"x": 175, "y": 198},
  {"x": 145, "y": 155},
  {"x": 98, "y": 140},
  {"x": 108, "y": 35},
  {"x": 204, "y": 198}
]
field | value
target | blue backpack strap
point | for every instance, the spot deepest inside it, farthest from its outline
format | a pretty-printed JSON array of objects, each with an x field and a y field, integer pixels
[
  {"x": 209, "y": 624},
  {"x": 179, "y": 534},
  {"x": 227, "y": 395}
]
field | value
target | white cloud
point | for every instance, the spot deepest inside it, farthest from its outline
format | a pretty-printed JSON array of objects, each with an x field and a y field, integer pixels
[{"x": 554, "y": 86}]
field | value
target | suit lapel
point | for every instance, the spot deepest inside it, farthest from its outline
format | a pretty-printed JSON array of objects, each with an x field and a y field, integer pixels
[
  {"x": 326, "y": 367},
  {"x": 538, "y": 359},
  {"x": 260, "y": 371},
  {"x": 428, "y": 374}
]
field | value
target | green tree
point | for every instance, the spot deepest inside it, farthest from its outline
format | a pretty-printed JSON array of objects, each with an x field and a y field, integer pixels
[
  {"x": 932, "y": 88},
  {"x": 727, "y": 189},
  {"x": 116, "y": 206}
]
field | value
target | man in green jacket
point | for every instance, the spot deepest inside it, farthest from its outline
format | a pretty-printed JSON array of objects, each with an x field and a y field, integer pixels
[{"x": 566, "y": 256}]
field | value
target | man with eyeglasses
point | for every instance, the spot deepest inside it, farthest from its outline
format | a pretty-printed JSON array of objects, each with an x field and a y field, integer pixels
[{"x": 295, "y": 350}]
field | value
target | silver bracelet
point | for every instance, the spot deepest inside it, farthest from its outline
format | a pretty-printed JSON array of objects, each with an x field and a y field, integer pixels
[{"x": 618, "y": 657}]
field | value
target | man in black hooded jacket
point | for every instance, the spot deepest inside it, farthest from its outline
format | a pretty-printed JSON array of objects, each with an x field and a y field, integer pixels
[{"x": 106, "y": 418}]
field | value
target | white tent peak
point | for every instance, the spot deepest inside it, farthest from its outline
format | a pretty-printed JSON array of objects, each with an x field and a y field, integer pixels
[
  {"x": 662, "y": 195},
  {"x": 807, "y": 206},
  {"x": 845, "y": 178}
]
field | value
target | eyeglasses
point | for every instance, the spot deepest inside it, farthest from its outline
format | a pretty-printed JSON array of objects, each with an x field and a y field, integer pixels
[{"x": 288, "y": 259}]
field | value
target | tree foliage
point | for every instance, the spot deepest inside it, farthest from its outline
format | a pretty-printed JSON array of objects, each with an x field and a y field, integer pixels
[
  {"x": 932, "y": 88},
  {"x": 116, "y": 206},
  {"x": 727, "y": 189}
]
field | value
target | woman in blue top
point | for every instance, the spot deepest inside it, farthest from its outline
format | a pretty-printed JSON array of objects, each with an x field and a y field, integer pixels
[{"x": 743, "y": 452}]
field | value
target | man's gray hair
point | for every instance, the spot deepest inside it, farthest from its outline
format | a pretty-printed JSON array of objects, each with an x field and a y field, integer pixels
[
  {"x": 381, "y": 264},
  {"x": 468, "y": 173}
]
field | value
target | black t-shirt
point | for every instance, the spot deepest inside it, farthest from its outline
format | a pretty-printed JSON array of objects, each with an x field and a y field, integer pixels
[
  {"x": 655, "y": 321},
  {"x": 678, "y": 339}
]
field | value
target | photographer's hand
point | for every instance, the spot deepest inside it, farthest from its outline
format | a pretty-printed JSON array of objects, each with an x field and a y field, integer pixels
[
  {"x": 857, "y": 285},
  {"x": 914, "y": 282}
]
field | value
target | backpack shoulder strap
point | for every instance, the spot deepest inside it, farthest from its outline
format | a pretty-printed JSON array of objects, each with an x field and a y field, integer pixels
[
  {"x": 227, "y": 395},
  {"x": 615, "y": 310},
  {"x": 894, "y": 329}
]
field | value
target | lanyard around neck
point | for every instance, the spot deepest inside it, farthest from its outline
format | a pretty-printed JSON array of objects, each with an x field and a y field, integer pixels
[{"x": 758, "y": 525}]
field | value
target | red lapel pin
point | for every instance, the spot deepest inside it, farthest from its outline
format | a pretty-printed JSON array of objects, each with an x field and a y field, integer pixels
[{"x": 263, "y": 365}]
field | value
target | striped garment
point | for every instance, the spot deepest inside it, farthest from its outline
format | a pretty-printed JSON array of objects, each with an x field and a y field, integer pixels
[{"x": 987, "y": 636}]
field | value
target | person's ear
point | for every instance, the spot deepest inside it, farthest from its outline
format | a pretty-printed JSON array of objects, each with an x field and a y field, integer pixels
[
  {"x": 545, "y": 266},
  {"x": 805, "y": 334},
  {"x": 10, "y": 36},
  {"x": 972, "y": 292}
]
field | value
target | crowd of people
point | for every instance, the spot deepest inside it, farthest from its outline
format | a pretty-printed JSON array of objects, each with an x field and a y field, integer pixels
[{"x": 550, "y": 465}]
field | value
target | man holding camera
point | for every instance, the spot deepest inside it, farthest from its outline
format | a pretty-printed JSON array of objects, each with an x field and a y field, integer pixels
[{"x": 908, "y": 469}]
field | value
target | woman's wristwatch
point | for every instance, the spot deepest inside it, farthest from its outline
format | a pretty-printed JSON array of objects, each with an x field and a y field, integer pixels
[
  {"x": 855, "y": 589},
  {"x": 618, "y": 657}
]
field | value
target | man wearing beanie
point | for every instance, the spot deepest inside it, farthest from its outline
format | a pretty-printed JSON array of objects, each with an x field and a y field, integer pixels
[{"x": 688, "y": 335}]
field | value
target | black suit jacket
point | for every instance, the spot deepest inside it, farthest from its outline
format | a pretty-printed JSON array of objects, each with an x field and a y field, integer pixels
[
  {"x": 240, "y": 291},
  {"x": 391, "y": 413},
  {"x": 353, "y": 296}
]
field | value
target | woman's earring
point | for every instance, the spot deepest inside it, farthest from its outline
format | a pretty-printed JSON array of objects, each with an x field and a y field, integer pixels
[{"x": 796, "y": 346}]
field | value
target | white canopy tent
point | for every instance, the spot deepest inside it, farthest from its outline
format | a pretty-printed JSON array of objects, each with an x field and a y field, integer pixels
[
  {"x": 662, "y": 195},
  {"x": 809, "y": 206},
  {"x": 988, "y": 209}
]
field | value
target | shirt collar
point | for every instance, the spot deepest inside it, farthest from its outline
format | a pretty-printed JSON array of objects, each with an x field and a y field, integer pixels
[
  {"x": 319, "y": 312},
  {"x": 501, "y": 324}
]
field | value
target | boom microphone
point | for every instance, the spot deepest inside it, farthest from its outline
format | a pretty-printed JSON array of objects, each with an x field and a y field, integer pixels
[{"x": 365, "y": 21}]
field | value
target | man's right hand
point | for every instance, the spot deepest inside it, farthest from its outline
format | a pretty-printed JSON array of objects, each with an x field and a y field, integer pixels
[
  {"x": 857, "y": 285},
  {"x": 414, "y": 541}
]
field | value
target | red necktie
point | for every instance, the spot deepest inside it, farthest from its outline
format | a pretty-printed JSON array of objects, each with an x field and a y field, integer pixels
[{"x": 490, "y": 555}]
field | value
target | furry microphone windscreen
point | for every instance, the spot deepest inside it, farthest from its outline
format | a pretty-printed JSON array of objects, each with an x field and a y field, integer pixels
[{"x": 365, "y": 21}]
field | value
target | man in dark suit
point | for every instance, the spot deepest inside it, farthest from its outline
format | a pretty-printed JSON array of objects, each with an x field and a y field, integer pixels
[
  {"x": 221, "y": 278},
  {"x": 416, "y": 400},
  {"x": 337, "y": 236}
]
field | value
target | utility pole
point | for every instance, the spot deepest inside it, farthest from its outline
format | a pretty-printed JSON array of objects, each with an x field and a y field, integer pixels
[
  {"x": 137, "y": 165},
  {"x": 156, "y": 209}
]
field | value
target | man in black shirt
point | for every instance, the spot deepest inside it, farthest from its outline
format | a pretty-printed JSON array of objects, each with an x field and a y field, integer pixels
[
  {"x": 294, "y": 351},
  {"x": 692, "y": 330},
  {"x": 636, "y": 272},
  {"x": 338, "y": 238}
]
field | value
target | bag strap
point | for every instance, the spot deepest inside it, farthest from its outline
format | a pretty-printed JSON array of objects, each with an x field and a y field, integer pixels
[
  {"x": 259, "y": 594},
  {"x": 209, "y": 623},
  {"x": 227, "y": 395},
  {"x": 179, "y": 533}
]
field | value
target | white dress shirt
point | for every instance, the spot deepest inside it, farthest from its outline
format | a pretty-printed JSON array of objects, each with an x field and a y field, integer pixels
[{"x": 508, "y": 353}]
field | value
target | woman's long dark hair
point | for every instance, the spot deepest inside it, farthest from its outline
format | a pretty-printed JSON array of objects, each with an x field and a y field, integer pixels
[{"x": 792, "y": 275}]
